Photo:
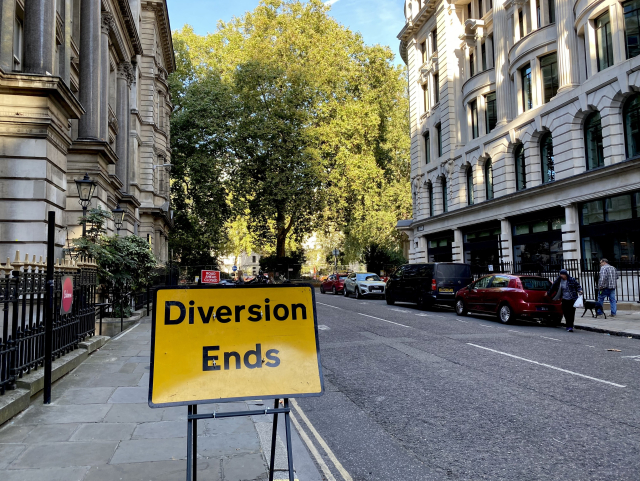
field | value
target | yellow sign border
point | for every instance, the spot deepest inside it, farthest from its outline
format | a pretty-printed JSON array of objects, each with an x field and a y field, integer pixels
[{"x": 219, "y": 400}]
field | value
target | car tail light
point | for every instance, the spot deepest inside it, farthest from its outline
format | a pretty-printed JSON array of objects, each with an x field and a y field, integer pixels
[{"x": 433, "y": 284}]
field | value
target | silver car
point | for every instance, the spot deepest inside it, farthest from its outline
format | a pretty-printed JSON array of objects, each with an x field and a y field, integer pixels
[{"x": 362, "y": 284}]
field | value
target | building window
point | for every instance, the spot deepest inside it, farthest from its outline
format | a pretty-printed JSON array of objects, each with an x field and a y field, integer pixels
[
  {"x": 632, "y": 126},
  {"x": 425, "y": 100},
  {"x": 468, "y": 10},
  {"x": 493, "y": 51},
  {"x": 427, "y": 147},
  {"x": 546, "y": 158},
  {"x": 488, "y": 179},
  {"x": 604, "y": 45},
  {"x": 469, "y": 186},
  {"x": 436, "y": 86},
  {"x": 632, "y": 27},
  {"x": 423, "y": 49},
  {"x": 253, "y": 259},
  {"x": 18, "y": 36},
  {"x": 431, "y": 200},
  {"x": 527, "y": 97},
  {"x": 491, "y": 113},
  {"x": 445, "y": 205},
  {"x": 521, "y": 172},
  {"x": 479, "y": 8},
  {"x": 593, "y": 141},
  {"x": 521, "y": 22},
  {"x": 473, "y": 105},
  {"x": 538, "y": 13},
  {"x": 551, "y": 5},
  {"x": 439, "y": 139},
  {"x": 472, "y": 67},
  {"x": 549, "y": 68},
  {"x": 434, "y": 40},
  {"x": 483, "y": 51}
]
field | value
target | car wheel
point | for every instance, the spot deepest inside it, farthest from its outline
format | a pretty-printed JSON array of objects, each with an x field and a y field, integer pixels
[
  {"x": 333, "y": 290},
  {"x": 461, "y": 308},
  {"x": 505, "y": 314},
  {"x": 422, "y": 303},
  {"x": 390, "y": 300},
  {"x": 321, "y": 290},
  {"x": 356, "y": 292},
  {"x": 345, "y": 291}
]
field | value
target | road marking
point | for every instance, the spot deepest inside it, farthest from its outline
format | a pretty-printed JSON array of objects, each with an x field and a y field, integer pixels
[
  {"x": 322, "y": 327},
  {"x": 328, "y": 305},
  {"x": 460, "y": 320},
  {"x": 422, "y": 315},
  {"x": 312, "y": 448},
  {"x": 548, "y": 365},
  {"x": 486, "y": 325},
  {"x": 399, "y": 310},
  {"x": 124, "y": 333},
  {"x": 334, "y": 460},
  {"x": 552, "y": 338},
  {"x": 589, "y": 345},
  {"x": 390, "y": 322}
]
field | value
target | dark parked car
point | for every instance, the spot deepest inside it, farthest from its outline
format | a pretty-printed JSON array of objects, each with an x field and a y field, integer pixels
[
  {"x": 428, "y": 284},
  {"x": 334, "y": 283},
  {"x": 509, "y": 297}
]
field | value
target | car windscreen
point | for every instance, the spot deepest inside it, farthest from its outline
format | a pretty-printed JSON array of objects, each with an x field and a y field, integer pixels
[
  {"x": 368, "y": 277},
  {"x": 535, "y": 284},
  {"x": 460, "y": 271},
  {"x": 342, "y": 278}
]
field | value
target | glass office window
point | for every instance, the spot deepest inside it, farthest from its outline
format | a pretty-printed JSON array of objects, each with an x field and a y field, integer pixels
[
  {"x": 439, "y": 139},
  {"x": 604, "y": 45},
  {"x": 472, "y": 65},
  {"x": 483, "y": 50},
  {"x": 521, "y": 174},
  {"x": 527, "y": 97},
  {"x": 488, "y": 178},
  {"x": 632, "y": 126},
  {"x": 434, "y": 40},
  {"x": 552, "y": 11},
  {"x": 427, "y": 147},
  {"x": 436, "y": 86},
  {"x": 491, "y": 112},
  {"x": 592, "y": 212},
  {"x": 474, "y": 118},
  {"x": 546, "y": 158},
  {"x": 423, "y": 49},
  {"x": 593, "y": 141},
  {"x": 632, "y": 27},
  {"x": 619, "y": 208},
  {"x": 470, "y": 186},
  {"x": 431, "y": 199},
  {"x": 445, "y": 204},
  {"x": 425, "y": 98},
  {"x": 549, "y": 68}
]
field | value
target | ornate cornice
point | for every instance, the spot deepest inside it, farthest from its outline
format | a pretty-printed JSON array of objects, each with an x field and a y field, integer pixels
[
  {"x": 159, "y": 8},
  {"x": 130, "y": 23},
  {"x": 108, "y": 22}
]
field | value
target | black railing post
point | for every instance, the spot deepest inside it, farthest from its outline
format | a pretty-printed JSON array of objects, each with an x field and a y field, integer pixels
[
  {"x": 48, "y": 333},
  {"x": 148, "y": 298}
]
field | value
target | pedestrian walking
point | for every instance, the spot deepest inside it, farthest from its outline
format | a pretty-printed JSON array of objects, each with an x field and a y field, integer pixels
[
  {"x": 607, "y": 285},
  {"x": 567, "y": 289}
]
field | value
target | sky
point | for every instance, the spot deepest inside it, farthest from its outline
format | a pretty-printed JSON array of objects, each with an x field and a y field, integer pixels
[{"x": 379, "y": 21}]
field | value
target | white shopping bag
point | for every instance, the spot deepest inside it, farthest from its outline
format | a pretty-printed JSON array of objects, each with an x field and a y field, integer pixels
[{"x": 579, "y": 304}]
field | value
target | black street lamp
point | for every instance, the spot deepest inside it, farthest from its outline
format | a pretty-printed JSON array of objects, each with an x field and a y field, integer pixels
[
  {"x": 118, "y": 217},
  {"x": 86, "y": 187}
]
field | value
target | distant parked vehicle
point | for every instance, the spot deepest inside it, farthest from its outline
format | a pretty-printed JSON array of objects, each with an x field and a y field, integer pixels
[
  {"x": 510, "y": 297},
  {"x": 363, "y": 284},
  {"x": 333, "y": 284},
  {"x": 428, "y": 284}
]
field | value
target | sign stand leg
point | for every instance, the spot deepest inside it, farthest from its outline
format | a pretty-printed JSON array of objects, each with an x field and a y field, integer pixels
[
  {"x": 274, "y": 437},
  {"x": 190, "y": 423},
  {"x": 194, "y": 410},
  {"x": 287, "y": 425}
]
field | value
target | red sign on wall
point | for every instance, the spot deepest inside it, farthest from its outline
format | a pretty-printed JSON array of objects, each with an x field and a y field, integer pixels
[
  {"x": 67, "y": 295},
  {"x": 210, "y": 277}
]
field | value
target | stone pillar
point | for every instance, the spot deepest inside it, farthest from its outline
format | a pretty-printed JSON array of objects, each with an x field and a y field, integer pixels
[
  {"x": 90, "y": 25},
  {"x": 39, "y": 30},
  {"x": 591, "y": 50},
  {"x": 568, "y": 74},
  {"x": 107, "y": 22},
  {"x": 7, "y": 19},
  {"x": 571, "y": 248},
  {"x": 502, "y": 65},
  {"x": 123, "y": 113},
  {"x": 457, "y": 247},
  {"x": 479, "y": 51},
  {"x": 506, "y": 241},
  {"x": 534, "y": 15},
  {"x": 467, "y": 62},
  {"x": 617, "y": 33}
]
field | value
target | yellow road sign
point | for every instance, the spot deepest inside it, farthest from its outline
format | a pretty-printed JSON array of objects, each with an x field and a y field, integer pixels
[{"x": 228, "y": 343}]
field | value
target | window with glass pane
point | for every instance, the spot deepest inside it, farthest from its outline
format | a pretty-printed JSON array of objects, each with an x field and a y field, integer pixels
[
  {"x": 540, "y": 226},
  {"x": 431, "y": 200},
  {"x": 632, "y": 27},
  {"x": 425, "y": 97},
  {"x": 619, "y": 208},
  {"x": 593, "y": 141},
  {"x": 637, "y": 202},
  {"x": 423, "y": 48},
  {"x": 527, "y": 97},
  {"x": 632, "y": 126},
  {"x": 479, "y": 8},
  {"x": 538, "y": 13},
  {"x": 436, "y": 86},
  {"x": 551, "y": 5},
  {"x": 470, "y": 186},
  {"x": 483, "y": 50},
  {"x": 488, "y": 179},
  {"x": 427, "y": 147},
  {"x": 592, "y": 212},
  {"x": 521, "y": 175},
  {"x": 474, "y": 118},
  {"x": 546, "y": 158},
  {"x": 557, "y": 223},
  {"x": 521, "y": 23},
  {"x": 434, "y": 40},
  {"x": 491, "y": 113},
  {"x": 469, "y": 10},
  {"x": 521, "y": 229},
  {"x": 445, "y": 205},
  {"x": 472, "y": 65},
  {"x": 604, "y": 45},
  {"x": 439, "y": 139},
  {"x": 549, "y": 68}
]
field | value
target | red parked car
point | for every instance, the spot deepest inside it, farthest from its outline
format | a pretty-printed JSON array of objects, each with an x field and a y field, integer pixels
[
  {"x": 333, "y": 284},
  {"x": 510, "y": 297}
]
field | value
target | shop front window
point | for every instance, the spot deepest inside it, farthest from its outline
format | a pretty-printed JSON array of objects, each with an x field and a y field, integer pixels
[
  {"x": 632, "y": 27},
  {"x": 593, "y": 141},
  {"x": 632, "y": 126},
  {"x": 546, "y": 157},
  {"x": 592, "y": 212},
  {"x": 521, "y": 174},
  {"x": 488, "y": 178},
  {"x": 618, "y": 208}
]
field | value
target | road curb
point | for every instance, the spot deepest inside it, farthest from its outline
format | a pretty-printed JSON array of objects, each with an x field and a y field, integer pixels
[{"x": 607, "y": 331}]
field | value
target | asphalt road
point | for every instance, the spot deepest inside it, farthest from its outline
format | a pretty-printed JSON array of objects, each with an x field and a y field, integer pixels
[{"x": 428, "y": 395}]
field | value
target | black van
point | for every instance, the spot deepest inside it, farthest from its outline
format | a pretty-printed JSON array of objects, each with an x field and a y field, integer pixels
[{"x": 427, "y": 284}]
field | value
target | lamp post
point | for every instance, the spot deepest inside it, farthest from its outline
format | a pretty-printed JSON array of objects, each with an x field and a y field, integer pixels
[
  {"x": 86, "y": 187},
  {"x": 118, "y": 216},
  {"x": 335, "y": 253}
]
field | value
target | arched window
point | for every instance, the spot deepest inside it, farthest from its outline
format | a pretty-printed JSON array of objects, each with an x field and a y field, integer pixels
[
  {"x": 546, "y": 158},
  {"x": 488, "y": 178},
  {"x": 445, "y": 206},
  {"x": 469, "y": 186},
  {"x": 431, "y": 200},
  {"x": 593, "y": 141},
  {"x": 632, "y": 126},
  {"x": 521, "y": 174}
]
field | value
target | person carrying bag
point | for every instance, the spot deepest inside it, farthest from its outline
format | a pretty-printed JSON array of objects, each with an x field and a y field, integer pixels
[{"x": 567, "y": 289}]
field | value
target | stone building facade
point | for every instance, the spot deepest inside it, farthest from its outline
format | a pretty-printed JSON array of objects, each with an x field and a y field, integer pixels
[
  {"x": 83, "y": 89},
  {"x": 525, "y": 126}
]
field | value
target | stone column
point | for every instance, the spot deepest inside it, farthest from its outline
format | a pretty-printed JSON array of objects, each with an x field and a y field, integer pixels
[
  {"x": 7, "y": 19},
  {"x": 568, "y": 74},
  {"x": 500, "y": 34},
  {"x": 467, "y": 62},
  {"x": 90, "y": 25},
  {"x": 39, "y": 30},
  {"x": 534, "y": 15},
  {"x": 107, "y": 22},
  {"x": 123, "y": 113},
  {"x": 571, "y": 248},
  {"x": 457, "y": 248},
  {"x": 479, "y": 51},
  {"x": 506, "y": 241}
]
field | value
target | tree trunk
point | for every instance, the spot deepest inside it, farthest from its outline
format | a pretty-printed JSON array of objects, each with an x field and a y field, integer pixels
[{"x": 281, "y": 235}]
